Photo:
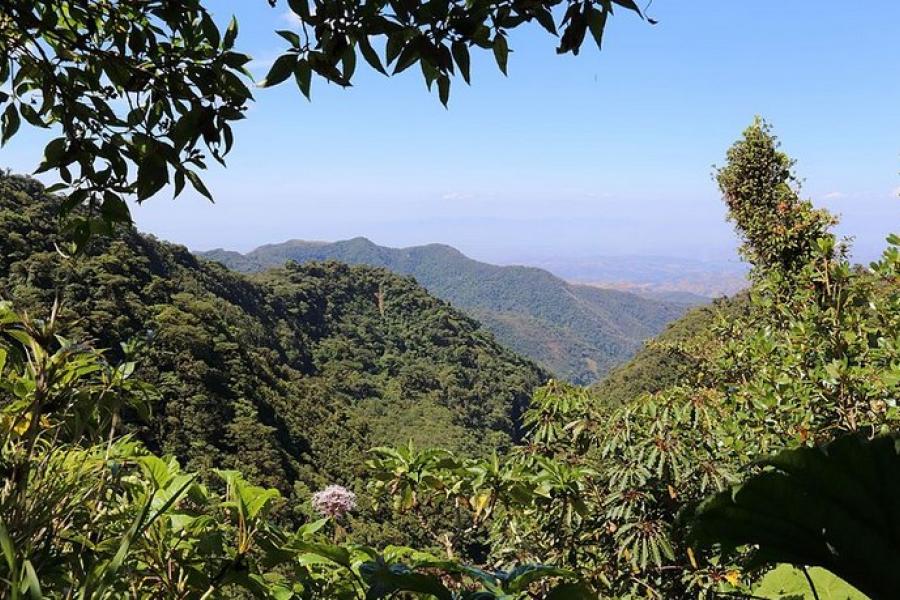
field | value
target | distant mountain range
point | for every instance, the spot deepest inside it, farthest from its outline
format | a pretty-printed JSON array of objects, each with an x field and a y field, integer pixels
[
  {"x": 658, "y": 277},
  {"x": 579, "y": 332}
]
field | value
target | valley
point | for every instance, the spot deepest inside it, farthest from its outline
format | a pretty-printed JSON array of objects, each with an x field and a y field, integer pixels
[
  {"x": 616, "y": 380},
  {"x": 577, "y": 332}
]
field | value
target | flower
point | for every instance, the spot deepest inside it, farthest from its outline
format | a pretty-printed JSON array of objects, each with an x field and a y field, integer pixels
[{"x": 334, "y": 501}]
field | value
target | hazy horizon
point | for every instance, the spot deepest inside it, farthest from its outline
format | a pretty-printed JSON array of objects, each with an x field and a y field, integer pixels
[{"x": 604, "y": 154}]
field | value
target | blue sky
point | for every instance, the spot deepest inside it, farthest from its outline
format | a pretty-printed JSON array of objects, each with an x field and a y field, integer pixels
[{"x": 602, "y": 154}]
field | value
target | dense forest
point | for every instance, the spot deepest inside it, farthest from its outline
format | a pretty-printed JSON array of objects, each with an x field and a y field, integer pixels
[
  {"x": 289, "y": 378},
  {"x": 273, "y": 387},
  {"x": 577, "y": 332},
  {"x": 172, "y": 429}
]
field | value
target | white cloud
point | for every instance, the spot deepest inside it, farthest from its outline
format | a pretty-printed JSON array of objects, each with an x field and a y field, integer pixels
[
  {"x": 895, "y": 192},
  {"x": 457, "y": 196},
  {"x": 833, "y": 195}
]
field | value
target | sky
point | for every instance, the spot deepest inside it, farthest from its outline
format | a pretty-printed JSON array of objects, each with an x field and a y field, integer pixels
[{"x": 606, "y": 153}]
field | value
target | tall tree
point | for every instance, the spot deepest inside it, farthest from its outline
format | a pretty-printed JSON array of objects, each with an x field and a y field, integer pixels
[{"x": 780, "y": 230}]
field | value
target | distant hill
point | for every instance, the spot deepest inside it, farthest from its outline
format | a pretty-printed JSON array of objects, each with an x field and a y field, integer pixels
[
  {"x": 578, "y": 332},
  {"x": 657, "y": 277},
  {"x": 662, "y": 365},
  {"x": 672, "y": 296}
]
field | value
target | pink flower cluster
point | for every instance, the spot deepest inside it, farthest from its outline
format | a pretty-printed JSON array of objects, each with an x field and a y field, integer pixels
[{"x": 334, "y": 501}]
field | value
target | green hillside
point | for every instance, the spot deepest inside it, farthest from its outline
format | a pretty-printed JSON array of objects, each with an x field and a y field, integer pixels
[
  {"x": 670, "y": 358},
  {"x": 578, "y": 332},
  {"x": 291, "y": 376}
]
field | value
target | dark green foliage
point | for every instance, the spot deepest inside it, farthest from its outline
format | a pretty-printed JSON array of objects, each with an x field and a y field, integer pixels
[
  {"x": 140, "y": 90},
  {"x": 86, "y": 512},
  {"x": 808, "y": 353},
  {"x": 780, "y": 230},
  {"x": 143, "y": 91},
  {"x": 577, "y": 332},
  {"x": 290, "y": 378},
  {"x": 833, "y": 506},
  {"x": 436, "y": 36},
  {"x": 669, "y": 358}
]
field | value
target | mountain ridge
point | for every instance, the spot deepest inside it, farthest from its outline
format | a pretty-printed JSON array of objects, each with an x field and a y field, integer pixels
[
  {"x": 579, "y": 332},
  {"x": 289, "y": 376}
]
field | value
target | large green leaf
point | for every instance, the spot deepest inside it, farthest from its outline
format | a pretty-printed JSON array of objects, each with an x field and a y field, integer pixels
[
  {"x": 787, "y": 582},
  {"x": 836, "y": 507},
  {"x": 386, "y": 581}
]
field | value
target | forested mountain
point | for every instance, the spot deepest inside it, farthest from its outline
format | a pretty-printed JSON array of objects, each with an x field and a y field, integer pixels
[
  {"x": 578, "y": 332},
  {"x": 290, "y": 377},
  {"x": 669, "y": 358}
]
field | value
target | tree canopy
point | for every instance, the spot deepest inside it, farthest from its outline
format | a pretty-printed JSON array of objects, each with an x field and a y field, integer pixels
[{"x": 144, "y": 92}]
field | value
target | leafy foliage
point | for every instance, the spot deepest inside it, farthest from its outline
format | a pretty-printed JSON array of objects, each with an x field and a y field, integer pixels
[
  {"x": 97, "y": 516},
  {"x": 144, "y": 91},
  {"x": 780, "y": 230},
  {"x": 289, "y": 379},
  {"x": 811, "y": 352},
  {"x": 136, "y": 89},
  {"x": 832, "y": 506},
  {"x": 437, "y": 37}
]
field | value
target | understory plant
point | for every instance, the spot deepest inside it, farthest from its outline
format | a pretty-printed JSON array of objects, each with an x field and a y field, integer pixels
[{"x": 88, "y": 513}]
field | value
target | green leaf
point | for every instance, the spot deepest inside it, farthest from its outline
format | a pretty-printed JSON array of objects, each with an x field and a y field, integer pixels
[
  {"x": 6, "y": 544},
  {"x": 629, "y": 4},
  {"x": 834, "y": 507},
  {"x": 34, "y": 584},
  {"x": 34, "y": 118},
  {"x": 335, "y": 554},
  {"x": 597, "y": 24},
  {"x": 312, "y": 527},
  {"x": 128, "y": 539},
  {"x": 258, "y": 499},
  {"x": 303, "y": 75},
  {"x": 300, "y": 8},
  {"x": 394, "y": 46},
  {"x": 230, "y": 34},
  {"x": 54, "y": 151},
  {"x": 281, "y": 69},
  {"x": 387, "y": 580},
  {"x": 157, "y": 469},
  {"x": 444, "y": 89},
  {"x": 571, "y": 591},
  {"x": 152, "y": 176},
  {"x": 522, "y": 576},
  {"x": 114, "y": 209},
  {"x": 9, "y": 123},
  {"x": 789, "y": 582},
  {"x": 370, "y": 55},
  {"x": 198, "y": 184},
  {"x": 501, "y": 52},
  {"x": 292, "y": 37},
  {"x": 348, "y": 63},
  {"x": 210, "y": 30},
  {"x": 461, "y": 56},
  {"x": 545, "y": 18},
  {"x": 408, "y": 56}
]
